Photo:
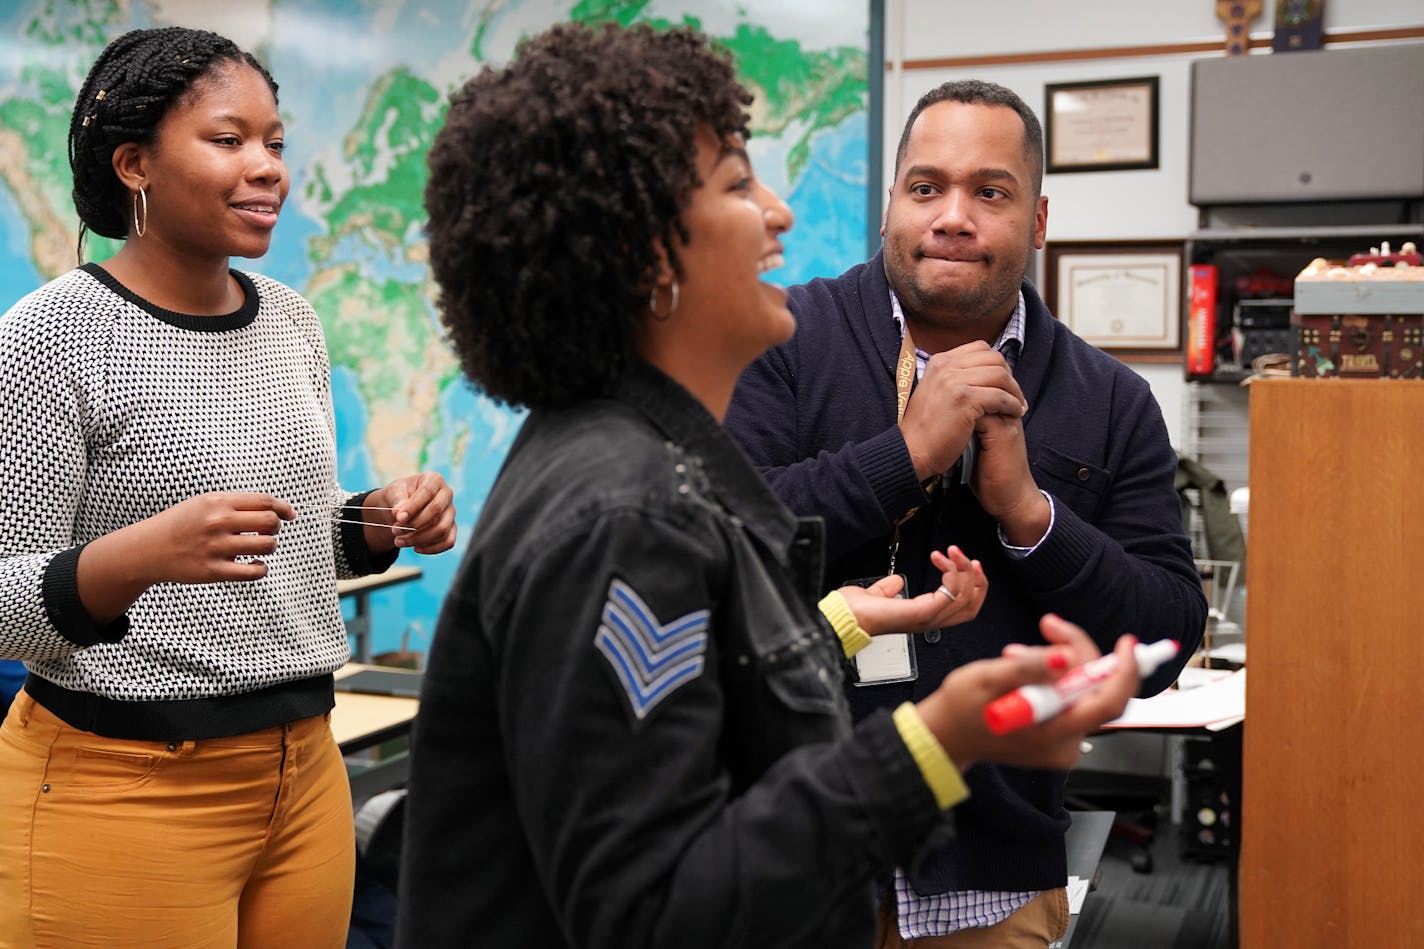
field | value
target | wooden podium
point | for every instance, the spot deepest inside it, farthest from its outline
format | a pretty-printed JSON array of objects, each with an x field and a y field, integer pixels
[{"x": 1332, "y": 844}]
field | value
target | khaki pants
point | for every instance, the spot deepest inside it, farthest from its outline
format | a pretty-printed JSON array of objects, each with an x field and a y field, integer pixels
[
  {"x": 1039, "y": 923},
  {"x": 228, "y": 843}
]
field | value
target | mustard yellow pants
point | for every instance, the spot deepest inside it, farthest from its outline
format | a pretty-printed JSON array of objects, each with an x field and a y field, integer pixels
[{"x": 230, "y": 843}]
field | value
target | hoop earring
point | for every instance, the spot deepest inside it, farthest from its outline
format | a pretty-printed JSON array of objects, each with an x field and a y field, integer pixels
[
  {"x": 140, "y": 195},
  {"x": 653, "y": 304}
]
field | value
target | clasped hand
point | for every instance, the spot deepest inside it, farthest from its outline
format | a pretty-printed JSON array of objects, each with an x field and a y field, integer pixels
[
  {"x": 958, "y": 387},
  {"x": 970, "y": 391}
]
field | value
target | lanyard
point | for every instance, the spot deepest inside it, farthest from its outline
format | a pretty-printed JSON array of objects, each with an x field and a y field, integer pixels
[
  {"x": 904, "y": 375},
  {"x": 904, "y": 383}
]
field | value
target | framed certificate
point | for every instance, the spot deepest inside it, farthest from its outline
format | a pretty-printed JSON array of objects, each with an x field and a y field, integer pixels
[
  {"x": 1109, "y": 125},
  {"x": 1125, "y": 298}
]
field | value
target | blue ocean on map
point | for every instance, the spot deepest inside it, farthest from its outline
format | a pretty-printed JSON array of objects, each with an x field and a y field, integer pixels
[
  {"x": 829, "y": 203},
  {"x": 17, "y": 275}
]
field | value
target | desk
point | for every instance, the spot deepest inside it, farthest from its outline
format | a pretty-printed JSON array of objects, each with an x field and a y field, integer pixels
[
  {"x": 1216, "y": 710},
  {"x": 360, "y": 722},
  {"x": 1208, "y": 699},
  {"x": 361, "y": 588},
  {"x": 1086, "y": 838}
]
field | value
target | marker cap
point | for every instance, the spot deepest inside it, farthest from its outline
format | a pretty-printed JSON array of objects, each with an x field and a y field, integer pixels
[{"x": 1008, "y": 713}]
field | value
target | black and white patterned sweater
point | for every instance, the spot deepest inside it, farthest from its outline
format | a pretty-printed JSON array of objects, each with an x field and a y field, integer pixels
[{"x": 113, "y": 410}]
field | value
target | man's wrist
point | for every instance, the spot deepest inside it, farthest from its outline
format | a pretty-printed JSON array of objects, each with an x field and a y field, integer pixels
[
  {"x": 1028, "y": 523},
  {"x": 918, "y": 460}
]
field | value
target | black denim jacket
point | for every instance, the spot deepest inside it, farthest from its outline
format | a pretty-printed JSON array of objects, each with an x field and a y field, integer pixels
[{"x": 739, "y": 807}]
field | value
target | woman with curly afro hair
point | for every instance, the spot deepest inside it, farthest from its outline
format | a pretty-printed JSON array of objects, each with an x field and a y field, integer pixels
[{"x": 632, "y": 731}]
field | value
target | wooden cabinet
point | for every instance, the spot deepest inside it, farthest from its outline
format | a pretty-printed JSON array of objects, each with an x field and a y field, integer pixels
[{"x": 1333, "y": 773}]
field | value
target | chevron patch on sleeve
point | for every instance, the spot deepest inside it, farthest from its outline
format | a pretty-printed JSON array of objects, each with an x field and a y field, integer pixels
[{"x": 650, "y": 659}]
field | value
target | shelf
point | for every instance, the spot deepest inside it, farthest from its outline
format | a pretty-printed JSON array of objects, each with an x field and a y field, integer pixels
[
  {"x": 1228, "y": 376},
  {"x": 1255, "y": 262},
  {"x": 1306, "y": 234}
]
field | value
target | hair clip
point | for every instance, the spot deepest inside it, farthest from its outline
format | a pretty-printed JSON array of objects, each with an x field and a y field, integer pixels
[
  {"x": 100, "y": 96},
  {"x": 85, "y": 123}
]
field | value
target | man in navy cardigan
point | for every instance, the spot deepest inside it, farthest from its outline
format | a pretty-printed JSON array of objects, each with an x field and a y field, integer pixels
[{"x": 1068, "y": 502}]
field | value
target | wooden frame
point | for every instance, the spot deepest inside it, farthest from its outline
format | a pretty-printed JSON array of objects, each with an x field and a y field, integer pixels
[
  {"x": 1108, "y": 125},
  {"x": 1124, "y": 297}
]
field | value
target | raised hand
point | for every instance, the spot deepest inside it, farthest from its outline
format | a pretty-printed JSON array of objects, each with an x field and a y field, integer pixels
[{"x": 879, "y": 608}]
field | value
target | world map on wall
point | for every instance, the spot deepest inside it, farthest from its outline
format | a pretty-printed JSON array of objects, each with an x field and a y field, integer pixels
[{"x": 363, "y": 87}]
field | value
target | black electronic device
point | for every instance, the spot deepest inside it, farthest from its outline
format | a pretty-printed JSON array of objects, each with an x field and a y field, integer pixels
[
  {"x": 1261, "y": 327},
  {"x": 1208, "y": 832},
  {"x": 402, "y": 683}
]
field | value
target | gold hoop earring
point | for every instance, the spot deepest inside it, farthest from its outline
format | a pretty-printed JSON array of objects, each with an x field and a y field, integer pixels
[
  {"x": 653, "y": 303},
  {"x": 140, "y": 195}
]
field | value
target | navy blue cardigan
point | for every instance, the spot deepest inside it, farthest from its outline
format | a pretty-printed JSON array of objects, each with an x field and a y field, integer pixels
[{"x": 817, "y": 417}]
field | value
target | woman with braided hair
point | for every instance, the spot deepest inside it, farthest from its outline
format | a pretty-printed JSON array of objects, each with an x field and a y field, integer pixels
[{"x": 170, "y": 537}]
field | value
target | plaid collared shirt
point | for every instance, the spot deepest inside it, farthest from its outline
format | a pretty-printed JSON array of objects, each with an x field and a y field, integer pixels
[
  {"x": 1013, "y": 333},
  {"x": 943, "y": 913}
]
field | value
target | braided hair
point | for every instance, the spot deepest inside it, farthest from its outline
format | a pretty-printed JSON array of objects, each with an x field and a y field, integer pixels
[
  {"x": 552, "y": 183},
  {"x": 130, "y": 88}
]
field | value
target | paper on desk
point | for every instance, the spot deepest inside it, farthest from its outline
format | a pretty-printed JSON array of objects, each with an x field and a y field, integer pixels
[
  {"x": 1230, "y": 652},
  {"x": 1193, "y": 677},
  {"x": 1214, "y": 706},
  {"x": 1077, "y": 892}
]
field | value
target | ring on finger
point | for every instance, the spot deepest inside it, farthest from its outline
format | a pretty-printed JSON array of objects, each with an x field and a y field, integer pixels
[{"x": 945, "y": 591}]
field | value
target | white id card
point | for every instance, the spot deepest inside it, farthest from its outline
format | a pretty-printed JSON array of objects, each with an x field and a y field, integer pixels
[{"x": 890, "y": 657}]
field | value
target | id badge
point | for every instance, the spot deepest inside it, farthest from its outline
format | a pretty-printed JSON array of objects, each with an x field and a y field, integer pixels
[{"x": 890, "y": 657}]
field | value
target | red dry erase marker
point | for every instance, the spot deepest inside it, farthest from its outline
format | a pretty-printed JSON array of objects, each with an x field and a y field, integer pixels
[{"x": 1030, "y": 704}]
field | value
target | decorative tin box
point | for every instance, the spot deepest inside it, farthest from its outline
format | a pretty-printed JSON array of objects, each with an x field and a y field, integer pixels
[{"x": 1362, "y": 321}]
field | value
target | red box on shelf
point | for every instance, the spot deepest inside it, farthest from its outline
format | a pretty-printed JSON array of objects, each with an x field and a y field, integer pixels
[{"x": 1201, "y": 320}]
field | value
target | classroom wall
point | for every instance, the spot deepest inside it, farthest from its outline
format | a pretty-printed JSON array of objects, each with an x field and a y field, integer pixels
[{"x": 1025, "y": 44}]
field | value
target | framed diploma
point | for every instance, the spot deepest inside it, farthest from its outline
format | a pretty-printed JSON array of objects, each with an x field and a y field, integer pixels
[
  {"x": 1125, "y": 298},
  {"x": 1109, "y": 125}
]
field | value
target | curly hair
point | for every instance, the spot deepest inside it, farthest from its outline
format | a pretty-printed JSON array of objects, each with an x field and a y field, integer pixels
[
  {"x": 130, "y": 88},
  {"x": 552, "y": 185}
]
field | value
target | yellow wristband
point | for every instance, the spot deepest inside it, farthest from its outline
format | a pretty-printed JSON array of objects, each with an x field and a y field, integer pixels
[
  {"x": 939, "y": 772},
  {"x": 837, "y": 611}
]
